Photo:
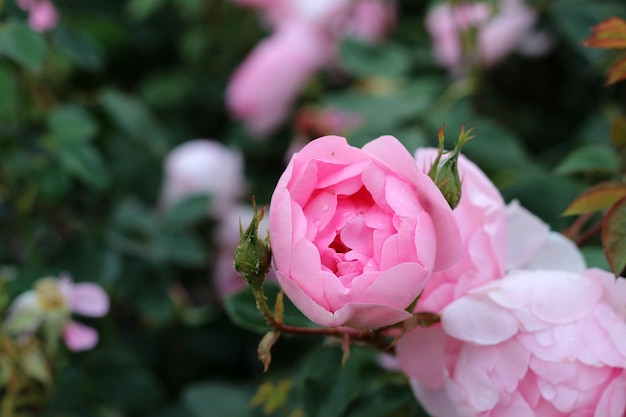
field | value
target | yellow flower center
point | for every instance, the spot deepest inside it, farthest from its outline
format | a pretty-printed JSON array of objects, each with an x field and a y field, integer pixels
[{"x": 49, "y": 295}]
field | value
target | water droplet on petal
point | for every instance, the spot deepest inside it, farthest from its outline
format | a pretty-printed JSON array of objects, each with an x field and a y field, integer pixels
[{"x": 325, "y": 207}]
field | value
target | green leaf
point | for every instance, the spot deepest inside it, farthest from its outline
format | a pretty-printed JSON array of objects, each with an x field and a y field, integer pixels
[
  {"x": 241, "y": 309},
  {"x": 216, "y": 399},
  {"x": 599, "y": 197},
  {"x": 366, "y": 59},
  {"x": 142, "y": 9},
  {"x": 327, "y": 389},
  {"x": 35, "y": 365},
  {"x": 80, "y": 47},
  {"x": 123, "y": 382},
  {"x": 9, "y": 96},
  {"x": 182, "y": 250},
  {"x": 72, "y": 124},
  {"x": 188, "y": 211},
  {"x": 85, "y": 163},
  {"x": 382, "y": 401},
  {"x": 132, "y": 117},
  {"x": 383, "y": 113},
  {"x": 614, "y": 236},
  {"x": 22, "y": 44},
  {"x": 597, "y": 159},
  {"x": 594, "y": 256}
]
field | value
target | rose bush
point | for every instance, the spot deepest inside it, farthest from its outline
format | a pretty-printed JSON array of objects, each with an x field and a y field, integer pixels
[
  {"x": 356, "y": 233},
  {"x": 536, "y": 343}
]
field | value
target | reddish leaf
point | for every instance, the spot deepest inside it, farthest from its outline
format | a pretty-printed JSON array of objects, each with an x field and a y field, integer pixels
[
  {"x": 599, "y": 197},
  {"x": 617, "y": 72},
  {"x": 610, "y": 33},
  {"x": 614, "y": 236}
]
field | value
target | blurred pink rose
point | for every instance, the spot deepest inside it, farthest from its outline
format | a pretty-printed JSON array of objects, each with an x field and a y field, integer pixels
[
  {"x": 203, "y": 166},
  {"x": 370, "y": 20},
  {"x": 536, "y": 343},
  {"x": 265, "y": 86},
  {"x": 51, "y": 302},
  {"x": 355, "y": 233},
  {"x": 481, "y": 216},
  {"x": 500, "y": 32},
  {"x": 42, "y": 15}
]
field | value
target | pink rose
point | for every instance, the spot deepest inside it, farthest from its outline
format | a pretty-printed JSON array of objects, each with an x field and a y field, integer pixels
[
  {"x": 536, "y": 343},
  {"x": 531, "y": 245},
  {"x": 499, "y": 33},
  {"x": 445, "y": 24},
  {"x": 370, "y": 20},
  {"x": 42, "y": 15},
  {"x": 481, "y": 217},
  {"x": 265, "y": 86},
  {"x": 203, "y": 166},
  {"x": 356, "y": 233}
]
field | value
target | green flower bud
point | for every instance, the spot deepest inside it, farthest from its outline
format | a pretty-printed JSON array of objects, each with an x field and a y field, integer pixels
[
  {"x": 445, "y": 173},
  {"x": 252, "y": 255}
]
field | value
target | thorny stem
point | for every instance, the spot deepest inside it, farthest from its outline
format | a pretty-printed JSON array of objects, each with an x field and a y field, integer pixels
[
  {"x": 373, "y": 337},
  {"x": 261, "y": 305}
]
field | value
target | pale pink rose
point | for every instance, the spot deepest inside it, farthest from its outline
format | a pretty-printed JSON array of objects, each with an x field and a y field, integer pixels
[
  {"x": 356, "y": 233},
  {"x": 203, "y": 166},
  {"x": 371, "y": 20},
  {"x": 445, "y": 24},
  {"x": 42, "y": 15},
  {"x": 531, "y": 245},
  {"x": 496, "y": 239},
  {"x": 500, "y": 32},
  {"x": 534, "y": 344},
  {"x": 264, "y": 88},
  {"x": 226, "y": 280},
  {"x": 505, "y": 32},
  {"x": 481, "y": 217}
]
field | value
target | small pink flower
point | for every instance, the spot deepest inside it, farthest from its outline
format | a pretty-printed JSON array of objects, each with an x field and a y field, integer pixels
[
  {"x": 536, "y": 343},
  {"x": 203, "y": 166},
  {"x": 42, "y": 15},
  {"x": 51, "y": 303},
  {"x": 356, "y": 233},
  {"x": 264, "y": 88}
]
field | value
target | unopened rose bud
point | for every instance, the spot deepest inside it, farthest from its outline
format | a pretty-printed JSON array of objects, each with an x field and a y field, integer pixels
[
  {"x": 253, "y": 255},
  {"x": 445, "y": 173}
]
